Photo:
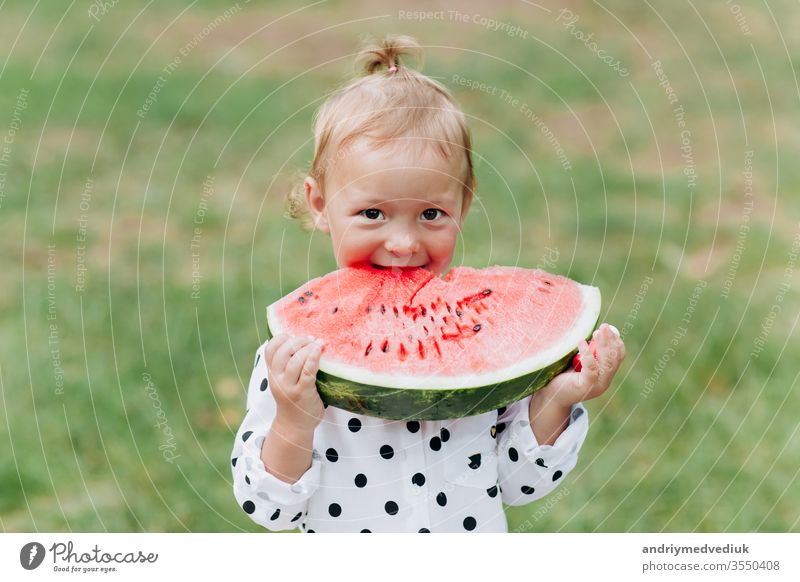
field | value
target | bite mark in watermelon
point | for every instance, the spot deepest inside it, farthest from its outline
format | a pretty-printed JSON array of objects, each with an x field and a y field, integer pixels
[{"x": 412, "y": 345}]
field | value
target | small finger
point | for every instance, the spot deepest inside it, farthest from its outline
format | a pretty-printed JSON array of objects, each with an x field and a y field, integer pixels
[
  {"x": 273, "y": 345},
  {"x": 295, "y": 366},
  {"x": 287, "y": 350}
]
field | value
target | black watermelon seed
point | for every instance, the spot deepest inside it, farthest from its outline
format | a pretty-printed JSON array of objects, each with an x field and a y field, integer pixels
[
  {"x": 301, "y": 299},
  {"x": 335, "y": 309},
  {"x": 385, "y": 347},
  {"x": 309, "y": 293},
  {"x": 487, "y": 291},
  {"x": 383, "y": 309},
  {"x": 477, "y": 327},
  {"x": 458, "y": 312}
]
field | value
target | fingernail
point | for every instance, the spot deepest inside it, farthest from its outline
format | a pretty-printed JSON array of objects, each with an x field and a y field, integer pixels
[{"x": 614, "y": 329}]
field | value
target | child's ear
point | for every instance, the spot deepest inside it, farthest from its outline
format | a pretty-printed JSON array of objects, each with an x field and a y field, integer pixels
[
  {"x": 465, "y": 204},
  {"x": 316, "y": 204}
]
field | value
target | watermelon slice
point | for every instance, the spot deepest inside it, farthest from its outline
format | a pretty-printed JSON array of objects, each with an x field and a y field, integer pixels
[{"x": 406, "y": 344}]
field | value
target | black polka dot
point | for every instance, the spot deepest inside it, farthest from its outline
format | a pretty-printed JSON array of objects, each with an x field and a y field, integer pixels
[
  {"x": 557, "y": 475},
  {"x": 501, "y": 410},
  {"x": 354, "y": 425},
  {"x": 391, "y": 508},
  {"x": 492, "y": 491},
  {"x": 387, "y": 452},
  {"x": 513, "y": 454},
  {"x": 332, "y": 455},
  {"x": 264, "y": 384},
  {"x": 527, "y": 490},
  {"x": 361, "y": 480},
  {"x": 335, "y": 510},
  {"x": 412, "y": 426},
  {"x": 501, "y": 426},
  {"x": 311, "y": 531},
  {"x": 475, "y": 461},
  {"x": 441, "y": 499},
  {"x": 424, "y": 530},
  {"x": 540, "y": 462},
  {"x": 247, "y": 435},
  {"x": 436, "y": 443},
  {"x": 298, "y": 516},
  {"x": 276, "y": 515},
  {"x": 445, "y": 435},
  {"x": 258, "y": 358},
  {"x": 233, "y": 461},
  {"x": 247, "y": 479},
  {"x": 366, "y": 531},
  {"x": 470, "y": 523},
  {"x": 249, "y": 507},
  {"x": 418, "y": 479}
]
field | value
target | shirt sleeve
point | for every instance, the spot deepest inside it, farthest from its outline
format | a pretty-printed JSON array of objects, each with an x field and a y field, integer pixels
[
  {"x": 268, "y": 501},
  {"x": 527, "y": 470}
]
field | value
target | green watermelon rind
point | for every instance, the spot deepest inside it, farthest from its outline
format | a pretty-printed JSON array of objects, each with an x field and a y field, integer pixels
[{"x": 434, "y": 404}]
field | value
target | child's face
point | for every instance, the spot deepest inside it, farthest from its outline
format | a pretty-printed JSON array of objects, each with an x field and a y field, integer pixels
[{"x": 391, "y": 207}]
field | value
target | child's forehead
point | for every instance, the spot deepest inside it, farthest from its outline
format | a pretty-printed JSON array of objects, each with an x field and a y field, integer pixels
[{"x": 364, "y": 159}]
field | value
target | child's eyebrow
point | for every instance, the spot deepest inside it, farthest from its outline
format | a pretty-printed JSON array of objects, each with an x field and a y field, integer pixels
[{"x": 407, "y": 198}]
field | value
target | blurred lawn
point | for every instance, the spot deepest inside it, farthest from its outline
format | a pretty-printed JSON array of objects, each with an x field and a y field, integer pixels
[{"x": 712, "y": 447}]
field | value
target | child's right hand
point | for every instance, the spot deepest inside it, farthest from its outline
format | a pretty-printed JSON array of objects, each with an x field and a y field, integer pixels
[{"x": 292, "y": 364}]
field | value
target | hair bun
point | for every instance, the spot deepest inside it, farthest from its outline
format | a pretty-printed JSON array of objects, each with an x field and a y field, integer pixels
[{"x": 387, "y": 53}]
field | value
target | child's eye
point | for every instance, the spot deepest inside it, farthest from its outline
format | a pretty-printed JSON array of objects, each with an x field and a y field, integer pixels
[
  {"x": 372, "y": 213},
  {"x": 430, "y": 213}
]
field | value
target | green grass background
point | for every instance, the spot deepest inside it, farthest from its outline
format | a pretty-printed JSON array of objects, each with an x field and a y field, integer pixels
[{"x": 713, "y": 447}]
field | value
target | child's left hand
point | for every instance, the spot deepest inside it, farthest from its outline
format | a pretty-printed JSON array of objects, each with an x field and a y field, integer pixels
[{"x": 571, "y": 387}]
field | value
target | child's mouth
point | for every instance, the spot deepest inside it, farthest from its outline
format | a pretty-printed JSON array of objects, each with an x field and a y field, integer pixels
[{"x": 425, "y": 266}]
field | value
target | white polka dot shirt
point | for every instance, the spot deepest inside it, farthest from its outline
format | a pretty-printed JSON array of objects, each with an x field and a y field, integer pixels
[{"x": 373, "y": 475}]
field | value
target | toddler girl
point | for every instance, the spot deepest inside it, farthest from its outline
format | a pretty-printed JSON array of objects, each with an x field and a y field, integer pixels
[{"x": 391, "y": 183}]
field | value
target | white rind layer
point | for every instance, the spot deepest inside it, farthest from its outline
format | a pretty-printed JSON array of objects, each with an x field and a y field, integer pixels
[{"x": 583, "y": 326}]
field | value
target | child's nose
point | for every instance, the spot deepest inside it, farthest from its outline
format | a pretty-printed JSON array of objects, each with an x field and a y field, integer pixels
[{"x": 402, "y": 244}]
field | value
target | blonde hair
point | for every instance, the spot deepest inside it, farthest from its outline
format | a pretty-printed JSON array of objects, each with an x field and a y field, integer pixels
[{"x": 386, "y": 101}]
